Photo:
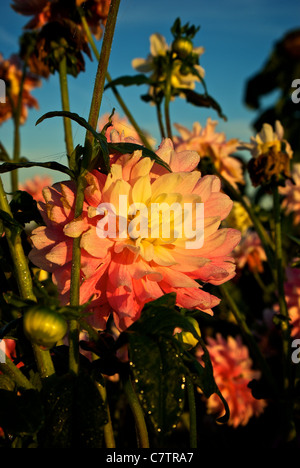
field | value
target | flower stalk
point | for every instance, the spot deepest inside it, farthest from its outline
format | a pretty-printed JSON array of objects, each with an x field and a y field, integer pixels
[
  {"x": 192, "y": 411},
  {"x": 167, "y": 102},
  {"x": 63, "y": 80},
  {"x": 285, "y": 327},
  {"x": 81, "y": 182},
  {"x": 141, "y": 428},
  {"x": 17, "y": 138},
  {"x": 24, "y": 281},
  {"x": 113, "y": 88},
  {"x": 108, "y": 429}
]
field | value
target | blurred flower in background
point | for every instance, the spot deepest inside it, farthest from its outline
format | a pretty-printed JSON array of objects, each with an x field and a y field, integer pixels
[
  {"x": 126, "y": 131},
  {"x": 56, "y": 31},
  {"x": 35, "y": 186},
  {"x": 18, "y": 86},
  {"x": 250, "y": 253},
  {"x": 233, "y": 370},
  {"x": 271, "y": 155},
  {"x": 162, "y": 61},
  {"x": 207, "y": 142}
]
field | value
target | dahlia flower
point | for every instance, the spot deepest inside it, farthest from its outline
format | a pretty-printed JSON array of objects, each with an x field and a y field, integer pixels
[
  {"x": 44, "y": 11},
  {"x": 124, "y": 270},
  {"x": 207, "y": 142},
  {"x": 232, "y": 368},
  {"x": 250, "y": 252},
  {"x": 291, "y": 193},
  {"x": 11, "y": 72},
  {"x": 268, "y": 138},
  {"x": 153, "y": 64},
  {"x": 35, "y": 186}
]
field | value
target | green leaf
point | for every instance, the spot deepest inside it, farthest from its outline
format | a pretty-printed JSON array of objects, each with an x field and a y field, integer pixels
[
  {"x": 81, "y": 121},
  {"x": 21, "y": 414},
  {"x": 3, "y": 153},
  {"x": 24, "y": 208},
  {"x": 158, "y": 377},
  {"x": 55, "y": 166},
  {"x": 128, "y": 80},
  {"x": 202, "y": 100},
  {"x": 75, "y": 413},
  {"x": 10, "y": 222},
  {"x": 125, "y": 148},
  {"x": 152, "y": 345},
  {"x": 202, "y": 377}
]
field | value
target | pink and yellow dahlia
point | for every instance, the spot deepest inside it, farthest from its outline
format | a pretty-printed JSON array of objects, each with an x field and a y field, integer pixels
[
  {"x": 124, "y": 270},
  {"x": 232, "y": 368},
  {"x": 207, "y": 142}
]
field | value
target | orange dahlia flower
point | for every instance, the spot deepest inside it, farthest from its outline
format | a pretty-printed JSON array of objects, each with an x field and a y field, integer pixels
[
  {"x": 232, "y": 368},
  {"x": 124, "y": 270},
  {"x": 207, "y": 142},
  {"x": 250, "y": 252}
]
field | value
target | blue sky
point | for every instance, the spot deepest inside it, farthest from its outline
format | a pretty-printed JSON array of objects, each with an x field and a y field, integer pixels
[{"x": 237, "y": 35}]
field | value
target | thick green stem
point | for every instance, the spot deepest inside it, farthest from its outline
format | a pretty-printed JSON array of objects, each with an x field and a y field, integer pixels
[
  {"x": 16, "y": 110},
  {"x": 113, "y": 88},
  {"x": 102, "y": 66},
  {"x": 13, "y": 372},
  {"x": 239, "y": 317},
  {"x": 192, "y": 412},
  {"x": 108, "y": 429},
  {"x": 24, "y": 281},
  {"x": 141, "y": 428},
  {"x": 63, "y": 80},
  {"x": 81, "y": 182}
]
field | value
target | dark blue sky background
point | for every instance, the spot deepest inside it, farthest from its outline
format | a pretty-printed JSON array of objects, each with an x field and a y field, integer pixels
[{"x": 237, "y": 35}]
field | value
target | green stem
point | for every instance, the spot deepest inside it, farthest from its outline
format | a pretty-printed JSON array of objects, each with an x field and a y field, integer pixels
[
  {"x": 193, "y": 413},
  {"x": 167, "y": 103},
  {"x": 280, "y": 287},
  {"x": 102, "y": 66},
  {"x": 24, "y": 281},
  {"x": 8, "y": 368},
  {"x": 64, "y": 91},
  {"x": 141, "y": 428},
  {"x": 81, "y": 182},
  {"x": 248, "y": 336},
  {"x": 264, "y": 237},
  {"x": 113, "y": 88},
  {"x": 16, "y": 111},
  {"x": 108, "y": 429},
  {"x": 160, "y": 121}
]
